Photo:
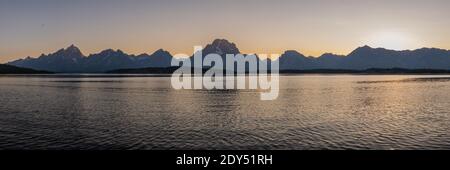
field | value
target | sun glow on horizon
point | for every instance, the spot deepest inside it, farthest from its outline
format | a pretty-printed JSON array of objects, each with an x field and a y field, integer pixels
[{"x": 393, "y": 40}]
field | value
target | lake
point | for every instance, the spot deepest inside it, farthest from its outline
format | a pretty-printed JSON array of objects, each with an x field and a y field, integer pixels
[{"x": 97, "y": 112}]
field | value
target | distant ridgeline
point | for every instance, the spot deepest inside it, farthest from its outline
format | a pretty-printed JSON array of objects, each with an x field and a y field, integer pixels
[{"x": 71, "y": 60}]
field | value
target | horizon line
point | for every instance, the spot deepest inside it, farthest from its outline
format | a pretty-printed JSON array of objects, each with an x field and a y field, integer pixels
[{"x": 159, "y": 49}]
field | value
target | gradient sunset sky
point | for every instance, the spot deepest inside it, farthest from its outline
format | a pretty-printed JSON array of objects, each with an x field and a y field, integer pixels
[{"x": 312, "y": 27}]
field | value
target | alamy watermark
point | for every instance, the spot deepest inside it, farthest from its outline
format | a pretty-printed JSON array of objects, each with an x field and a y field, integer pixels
[{"x": 227, "y": 71}]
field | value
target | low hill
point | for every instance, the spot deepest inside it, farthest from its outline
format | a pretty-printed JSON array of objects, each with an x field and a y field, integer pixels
[
  {"x": 8, "y": 69},
  {"x": 170, "y": 70}
]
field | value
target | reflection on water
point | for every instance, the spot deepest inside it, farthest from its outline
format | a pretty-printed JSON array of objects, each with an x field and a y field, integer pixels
[{"x": 312, "y": 112}]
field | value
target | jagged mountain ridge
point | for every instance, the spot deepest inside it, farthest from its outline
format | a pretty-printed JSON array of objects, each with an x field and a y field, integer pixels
[{"x": 72, "y": 60}]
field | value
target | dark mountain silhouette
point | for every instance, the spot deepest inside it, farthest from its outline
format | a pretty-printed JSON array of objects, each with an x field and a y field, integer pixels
[
  {"x": 328, "y": 60},
  {"x": 159, "y": 59},
  {"x": 363, "y": 58},
  {"x": 64, "y": 60},
  {"x": 366, "y": 57},
  {"x": 293, "y": 60},
  {"x": 71, "y": 60},
  {"x": 107, "y": 60},
  {"x": 221, "y": 47},
  {"x": 7, "y": 69}
]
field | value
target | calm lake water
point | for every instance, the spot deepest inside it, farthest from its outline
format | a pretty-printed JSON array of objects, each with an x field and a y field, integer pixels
[{"x": 312, "y": 112}]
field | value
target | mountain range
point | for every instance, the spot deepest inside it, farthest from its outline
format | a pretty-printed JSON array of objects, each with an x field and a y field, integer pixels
[{"x": 72, "y": 60}]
